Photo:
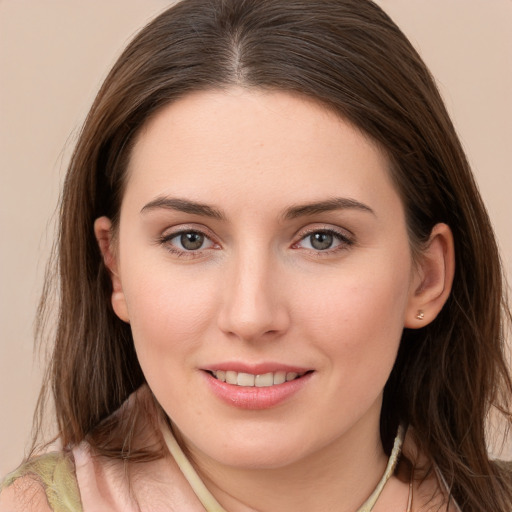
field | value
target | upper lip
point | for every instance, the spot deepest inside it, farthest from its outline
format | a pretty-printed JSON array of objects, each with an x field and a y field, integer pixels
[{"x": 255, "y": 369}]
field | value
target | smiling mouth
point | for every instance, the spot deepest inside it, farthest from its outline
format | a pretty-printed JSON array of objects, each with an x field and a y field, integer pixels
[{"x": 259, "y": 381}]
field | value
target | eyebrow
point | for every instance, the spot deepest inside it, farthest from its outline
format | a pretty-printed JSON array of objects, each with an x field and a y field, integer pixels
[
  {"x": 184, "y": 205},
  {"x": 335, "y": 203},
  {"x": 293, "y": 212}
]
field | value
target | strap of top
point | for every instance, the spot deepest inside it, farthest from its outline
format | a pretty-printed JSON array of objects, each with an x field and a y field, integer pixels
[{"x": 56, "y": 472}]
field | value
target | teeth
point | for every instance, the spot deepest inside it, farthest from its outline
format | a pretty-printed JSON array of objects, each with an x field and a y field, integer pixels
[
  {"x": 264, "y": 381},
  {"x": 250, "y": 380},
  {"x": 245, "y": 379},
  {"x": 279, "y": 377},
  {"x": 231, "y": 377}
]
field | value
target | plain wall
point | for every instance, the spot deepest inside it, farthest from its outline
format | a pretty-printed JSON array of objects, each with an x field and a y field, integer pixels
[{"x": 53, "y": 57}]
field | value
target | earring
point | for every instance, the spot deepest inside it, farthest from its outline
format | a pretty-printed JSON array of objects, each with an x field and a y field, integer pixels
[{"x": 420, "y": 315}]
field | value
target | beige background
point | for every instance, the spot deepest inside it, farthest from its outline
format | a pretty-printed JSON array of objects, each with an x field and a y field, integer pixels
[{"x": 53, "y": 56}]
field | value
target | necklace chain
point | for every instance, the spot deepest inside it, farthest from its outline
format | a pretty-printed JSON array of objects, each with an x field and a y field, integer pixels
[{"x": 209, "y": 502}]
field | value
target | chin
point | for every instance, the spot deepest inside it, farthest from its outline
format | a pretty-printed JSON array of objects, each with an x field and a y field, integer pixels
[
  {"x": 263, "y": 450},
  {"x": 267, "y": 458}
]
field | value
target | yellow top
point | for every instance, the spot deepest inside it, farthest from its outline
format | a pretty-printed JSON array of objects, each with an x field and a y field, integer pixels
[{"x": 56, "y": 473}]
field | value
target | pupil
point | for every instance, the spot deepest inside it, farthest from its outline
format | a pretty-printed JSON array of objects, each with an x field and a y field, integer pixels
[
  {"x": 192, "y": 241},
  {"x": 321, "y": 241}
]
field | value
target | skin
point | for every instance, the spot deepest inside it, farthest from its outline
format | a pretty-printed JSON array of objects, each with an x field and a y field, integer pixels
[{"x": 258, "y": 290}]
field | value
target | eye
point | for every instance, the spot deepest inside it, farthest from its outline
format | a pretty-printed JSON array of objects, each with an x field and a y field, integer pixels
[
  {"x": 187, "y": 241},
  {"x": 190, "y": 241},
  {"x": 323, "y": 240}
]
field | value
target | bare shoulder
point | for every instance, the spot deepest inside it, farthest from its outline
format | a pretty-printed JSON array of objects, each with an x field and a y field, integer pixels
[{"x": 24, "y": 494}]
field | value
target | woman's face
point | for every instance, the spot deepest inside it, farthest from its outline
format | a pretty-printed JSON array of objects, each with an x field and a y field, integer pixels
[{"x": 261, "y": 237}]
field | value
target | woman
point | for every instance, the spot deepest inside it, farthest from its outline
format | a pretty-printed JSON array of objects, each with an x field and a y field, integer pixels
[{"x": 273, "y": 262}]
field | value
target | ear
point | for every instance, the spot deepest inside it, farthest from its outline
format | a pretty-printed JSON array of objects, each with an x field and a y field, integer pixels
[
  {"x": 104, "y": 237},
  {"x": 433, "y": 278}
]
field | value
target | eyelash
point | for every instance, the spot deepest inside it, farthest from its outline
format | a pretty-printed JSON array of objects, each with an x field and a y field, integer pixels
[{"x": 344, "y": 242}]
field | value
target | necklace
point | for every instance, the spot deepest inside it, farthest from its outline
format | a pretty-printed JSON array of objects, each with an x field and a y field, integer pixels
[{"x": 209, "y": 502}]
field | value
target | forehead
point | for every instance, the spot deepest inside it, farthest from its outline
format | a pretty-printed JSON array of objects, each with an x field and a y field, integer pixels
[{"x": 250, "y": 145}]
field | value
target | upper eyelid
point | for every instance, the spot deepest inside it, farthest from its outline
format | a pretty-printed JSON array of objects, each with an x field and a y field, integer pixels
[
  {"x": 172, "y": 231},
  {"x": 342, "y": 232},
  {"x": 174, "y": 234}
]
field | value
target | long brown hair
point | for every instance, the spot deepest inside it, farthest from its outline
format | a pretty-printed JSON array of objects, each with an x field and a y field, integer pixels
[{"x": 348, "y": 55}]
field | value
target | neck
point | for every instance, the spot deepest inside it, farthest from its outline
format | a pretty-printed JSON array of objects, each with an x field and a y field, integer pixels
[{"x": 339, "y": 476}]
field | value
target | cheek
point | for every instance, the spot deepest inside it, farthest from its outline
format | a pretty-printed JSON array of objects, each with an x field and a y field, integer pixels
[
  {"x": 357, "y": 319},
  {"x": 168, "y": 311},
  {"x": 168, "y": 316}
]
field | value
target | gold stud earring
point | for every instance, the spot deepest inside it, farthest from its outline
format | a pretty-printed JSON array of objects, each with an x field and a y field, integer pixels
[{"x": 420, "y": 315}]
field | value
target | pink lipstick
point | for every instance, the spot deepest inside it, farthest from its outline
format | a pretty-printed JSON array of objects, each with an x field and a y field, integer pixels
[{"x": 255, "y": 387}]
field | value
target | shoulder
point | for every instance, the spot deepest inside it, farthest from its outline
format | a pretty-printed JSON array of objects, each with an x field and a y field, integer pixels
[
  {"x": 43, "y": 483},
  {"x": 25, "y": 494},
  {"x": 119, "y": 485}
]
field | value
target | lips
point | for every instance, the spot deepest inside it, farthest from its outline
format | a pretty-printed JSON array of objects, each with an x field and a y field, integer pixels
[{"x": 256, "y": 386}]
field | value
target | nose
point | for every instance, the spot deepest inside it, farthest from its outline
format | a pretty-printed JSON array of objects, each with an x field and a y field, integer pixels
[{"x": 254, "y": 300}]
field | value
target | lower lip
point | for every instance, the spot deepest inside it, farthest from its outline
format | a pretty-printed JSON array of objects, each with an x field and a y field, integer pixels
[{"x": 254, "y": 398}]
